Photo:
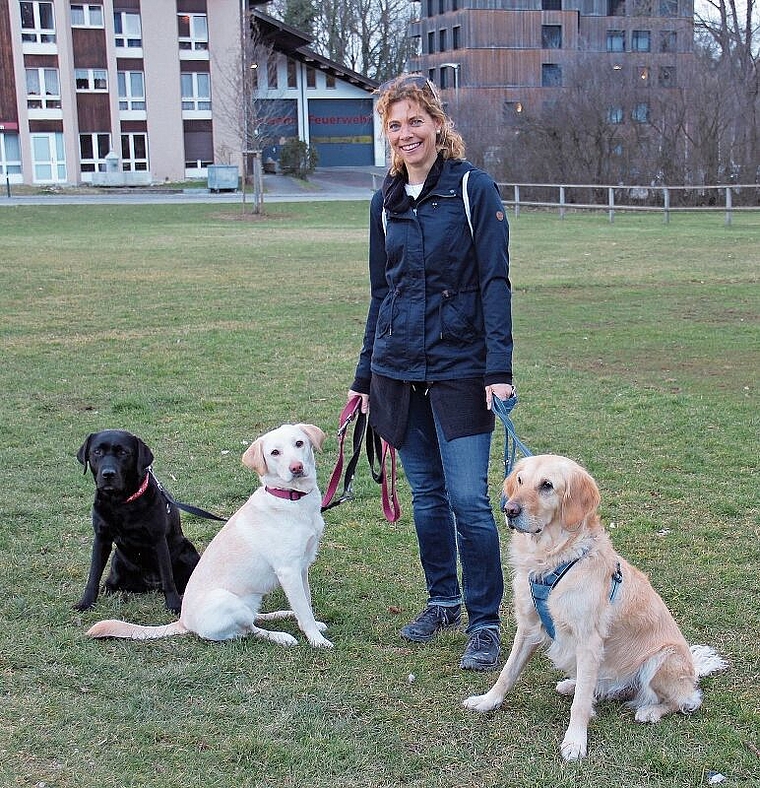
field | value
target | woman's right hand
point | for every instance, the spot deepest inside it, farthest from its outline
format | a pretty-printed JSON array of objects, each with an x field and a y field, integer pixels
[{"x": 364, "y": 399}]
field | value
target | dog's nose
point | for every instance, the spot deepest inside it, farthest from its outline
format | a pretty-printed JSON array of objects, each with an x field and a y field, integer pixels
[
  {"x": 108, "y": 473},
  {"x": 512, "y": 509},
  {"x": 296, "y": 468}
]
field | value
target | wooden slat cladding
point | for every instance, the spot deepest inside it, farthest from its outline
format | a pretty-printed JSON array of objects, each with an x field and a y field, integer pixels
[
  {"x": 8, "y": 108},
  {"x": 93, "y": 112},
  {"x": 89, "y": 47}
]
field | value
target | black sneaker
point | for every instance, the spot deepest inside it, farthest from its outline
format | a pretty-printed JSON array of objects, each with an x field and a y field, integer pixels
[
  {"x": 433, "y": 619},
  {"x": 483, "y": 649}
]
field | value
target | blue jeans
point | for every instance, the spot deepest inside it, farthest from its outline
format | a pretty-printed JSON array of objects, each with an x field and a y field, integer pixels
[{"x": 453, "y": 515}]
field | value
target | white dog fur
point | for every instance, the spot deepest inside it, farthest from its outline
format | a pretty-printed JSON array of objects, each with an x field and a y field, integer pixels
[
  {"x": 270, "y": 540},
  {"x": 628, "y": 647}
]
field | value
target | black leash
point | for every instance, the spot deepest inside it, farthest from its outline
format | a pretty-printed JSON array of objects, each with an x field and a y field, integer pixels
[{"x": 186, "y": 507}]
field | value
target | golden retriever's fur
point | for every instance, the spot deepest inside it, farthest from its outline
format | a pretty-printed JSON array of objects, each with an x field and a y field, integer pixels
[{"x": 627, "y": 647}]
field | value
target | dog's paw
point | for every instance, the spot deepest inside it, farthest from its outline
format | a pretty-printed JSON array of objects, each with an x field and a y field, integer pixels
[
  {"x": 282, "y": 639},
  {"x": 482, "y": 703},
  {"x": 573, "y": 749},
  {"x": 321, "y": 626},
  {"x": 319, "y": 642},
  {"x": 84, "y": 604},
  {"x": 652, "y": 713},
  {"x": 566, "y": 687}
]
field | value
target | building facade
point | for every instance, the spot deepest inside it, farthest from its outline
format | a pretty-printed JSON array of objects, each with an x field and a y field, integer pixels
[
  {"x": 149, "y": 88},
  {"x": 521, "y": 53}
]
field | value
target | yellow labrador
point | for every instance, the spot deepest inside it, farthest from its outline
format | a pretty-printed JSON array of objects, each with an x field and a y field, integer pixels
[
  {"x": 605, "y": 626},
  {"x": 272, "y": 539}
]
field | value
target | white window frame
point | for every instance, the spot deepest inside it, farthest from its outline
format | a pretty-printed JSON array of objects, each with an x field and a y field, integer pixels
[
  {"x": 38, "y": 34},
  {"x": 91, "y": 15},
  {"x": 49, "y": 96},
  {"x": 96, "y": 163},
  {"x": 10, "y": 168},
  {"x": 197, "y": 40},
  {"x": 129, "y": 100},
  {"x": 130, "y": 36},
  {"x": 96, "y": 80},
  {"x": 130, "y": 162},
  {"x": 52, "y": 168},
  {"x": 195, "y": 100}
]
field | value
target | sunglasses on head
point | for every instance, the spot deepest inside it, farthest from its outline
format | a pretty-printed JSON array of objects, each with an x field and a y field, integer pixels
[{"x": 414, "y": 80}]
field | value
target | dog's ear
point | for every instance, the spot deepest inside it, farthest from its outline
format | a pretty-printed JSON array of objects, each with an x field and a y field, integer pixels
[
  {"x": 144, "y": 456},
  {"x": 315, "y": 434},
  {"x": 253, "y": 457},
  {"x": 581, "y": 498},
  {"x": 509, "y": 488},
  {"x": 84, "y": 451}
]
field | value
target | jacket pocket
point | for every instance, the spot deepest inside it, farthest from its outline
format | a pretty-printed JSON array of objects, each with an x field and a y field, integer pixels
[
  {"x": 386, "y": 314},
  {"x": 457, "y": 321}
]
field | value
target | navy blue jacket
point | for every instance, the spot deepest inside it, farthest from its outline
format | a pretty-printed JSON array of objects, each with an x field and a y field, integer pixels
[{"x": 440, "y": 305}]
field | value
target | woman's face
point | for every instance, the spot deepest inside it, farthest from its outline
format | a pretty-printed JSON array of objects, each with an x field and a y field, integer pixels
[{"x": 411, "y": 133}]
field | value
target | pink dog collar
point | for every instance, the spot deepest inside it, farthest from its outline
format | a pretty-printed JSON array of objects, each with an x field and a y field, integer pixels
[{"x": 290, "y": 495}]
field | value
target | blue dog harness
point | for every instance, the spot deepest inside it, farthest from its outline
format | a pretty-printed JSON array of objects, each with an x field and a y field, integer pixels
[{"x": 541, "y": 586}]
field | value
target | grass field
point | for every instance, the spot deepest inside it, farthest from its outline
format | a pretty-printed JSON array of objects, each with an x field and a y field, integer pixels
[{"x": 637, "y": 353}]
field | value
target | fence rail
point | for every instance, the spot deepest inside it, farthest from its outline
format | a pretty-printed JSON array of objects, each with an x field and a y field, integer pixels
[{"x": 663, "y": 199}]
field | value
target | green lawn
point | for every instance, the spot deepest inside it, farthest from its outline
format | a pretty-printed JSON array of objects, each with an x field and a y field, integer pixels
[{"x": 637, "y": 354}]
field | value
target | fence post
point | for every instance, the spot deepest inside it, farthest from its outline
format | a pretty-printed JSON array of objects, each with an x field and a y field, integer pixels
[
  {"x": 561, "y": 202},
  {"x": 517, "y": 200},
  {"x": 729, "y": 203},
  {"x": 611, "y": 203},
  {"x": 666, "y": 204}
]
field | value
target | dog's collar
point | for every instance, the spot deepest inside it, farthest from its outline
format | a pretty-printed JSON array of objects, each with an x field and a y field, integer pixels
[
  {"x": 290, "y": 495},
  {"x": 143, "y": 487}
]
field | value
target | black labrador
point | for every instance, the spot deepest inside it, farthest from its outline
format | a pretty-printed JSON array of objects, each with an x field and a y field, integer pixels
[{"x": 133, "y": 514}]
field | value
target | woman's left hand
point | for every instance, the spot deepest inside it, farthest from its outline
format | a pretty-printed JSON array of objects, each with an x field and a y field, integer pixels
[{"x": 502, "y": 390}]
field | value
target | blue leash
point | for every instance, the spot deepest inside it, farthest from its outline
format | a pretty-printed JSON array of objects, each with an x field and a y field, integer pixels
[{"x": 502, "y": 408}]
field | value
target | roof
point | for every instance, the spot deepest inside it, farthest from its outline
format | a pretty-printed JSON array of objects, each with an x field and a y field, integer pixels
[{"x": 295, "y": 44}]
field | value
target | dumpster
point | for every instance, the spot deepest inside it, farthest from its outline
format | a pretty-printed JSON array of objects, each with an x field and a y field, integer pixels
[{"x": 222, "y": 177}]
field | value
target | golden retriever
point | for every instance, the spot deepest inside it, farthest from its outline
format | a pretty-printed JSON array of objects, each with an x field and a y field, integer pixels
[
  {"x": 272, "y": 539},
  {"x": 605, "y": 626}
]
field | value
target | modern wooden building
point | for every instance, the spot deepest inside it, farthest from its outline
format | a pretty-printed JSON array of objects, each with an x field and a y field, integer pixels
[
  {"x": 521, "y": 53},
  {"x": 150, "y": 88}
]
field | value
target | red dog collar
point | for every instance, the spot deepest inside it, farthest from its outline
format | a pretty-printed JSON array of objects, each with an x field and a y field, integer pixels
[
  {"x": 290, "y": 495},
  {"x": 143, "y": 488}
]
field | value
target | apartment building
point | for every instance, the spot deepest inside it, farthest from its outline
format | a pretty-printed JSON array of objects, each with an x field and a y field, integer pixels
[
  {"x": 151, "y": 88},
  {"x": 520, "y": 54}
]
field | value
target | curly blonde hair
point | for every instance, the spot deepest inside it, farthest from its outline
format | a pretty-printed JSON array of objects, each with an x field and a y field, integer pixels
[{"x": 420, "y": 90}]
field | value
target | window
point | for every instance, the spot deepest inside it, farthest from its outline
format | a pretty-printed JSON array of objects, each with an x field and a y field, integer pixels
[
  {"x": 37, "y": 22},
  {"x": 10, "y": 155},
  {"x": 666, "y": 77},
  {"x": 456, "y": 37},
  {"x": 640, "y": 112},
  {"x": 43, "y": 88},
  {"x": 441, "y": 6},
  {"x": 442, "y": 46},
  {"x": 272, "y": 80},
  {"x": 330, "y": 82},
  {"x": 193, "y": 32},
  {"x": 128, "y": 30},
  {"x": 431, "y": 43},
  {"x": 551, "y": 36},
  {"x": 551, "y": 5},
  {"x": 615, "y": 7},
  {"x": 292, "y": 74},
  {"x": 668, "y": 41},
  {"x": 643, "y": 76},
  {"x": 196, "y": 92},
  {"x": 86, "y": 15},
  {"x": 93, "y": 149},
  {"x": 551, "y": 75},
  {"x": 48, "y": 158},
  {"x": 615, "y": 115},
  {"x": 668, "y": 7},
  {"x": 131, "y": 91},
  {"x": 91, "y": 80},
  {"x": 641, "y": 41},
  {"x": 311, "y": 77},
  {"x": 134, "y": 152},
  {"x": 641, "y": 8},
  {"x": 616, "y": 40}
]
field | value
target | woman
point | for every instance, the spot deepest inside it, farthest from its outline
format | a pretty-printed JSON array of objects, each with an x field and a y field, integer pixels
[{"x": 437, "y": 347}]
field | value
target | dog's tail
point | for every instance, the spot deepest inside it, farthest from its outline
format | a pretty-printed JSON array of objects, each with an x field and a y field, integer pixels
[
  {"x": 706, "y": 660},
  {"x": 112, "y": 628}
]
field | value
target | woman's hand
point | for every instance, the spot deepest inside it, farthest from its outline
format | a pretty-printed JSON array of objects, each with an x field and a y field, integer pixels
[
  {"x": 364, "y": 398},
  {"x": 502, "y": 390}
]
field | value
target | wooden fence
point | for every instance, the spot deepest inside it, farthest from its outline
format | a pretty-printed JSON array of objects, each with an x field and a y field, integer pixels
[{"x": 662, "y": 199}]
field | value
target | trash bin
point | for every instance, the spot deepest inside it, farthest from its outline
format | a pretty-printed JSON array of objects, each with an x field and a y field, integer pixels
[{"x": 222, "y": 177}]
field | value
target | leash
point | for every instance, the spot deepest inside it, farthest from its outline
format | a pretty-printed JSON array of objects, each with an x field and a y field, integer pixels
[
  {"x": 377, "y": 448},
  {"x": 502, "y": 408},
  {"x": 186, "y": 507}
]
